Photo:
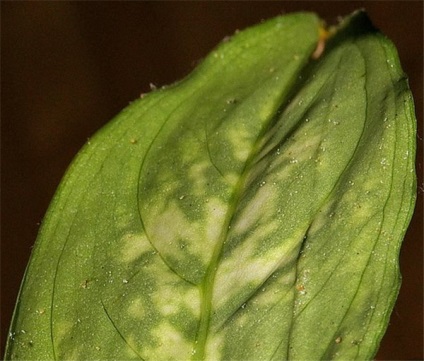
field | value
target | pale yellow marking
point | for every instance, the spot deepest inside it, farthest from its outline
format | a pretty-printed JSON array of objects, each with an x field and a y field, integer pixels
[
  {"x": 136, "y": 309},
  {"x": 241, "y": 139},
  {"x": 263, "y": 231},
  {"x": 171, "y": 225},
  {"x": 301, "y": 150},
  {"x": 191, "y": 299},
  {"x": 198, "y": 177},
  {"x": 254, "y": 210},
  {"x": 232, "y": 178},
  {"x": 216, "y": 212},
  {"x": 170, "y": 299},
  {"x": 242, "y": 269},
  {"x": 171, "y": 344},
  {"x": 214, "y": 345},
  {"x": 62, "y": 329},
  {"x": 134, "y": 246},
  {"x": 234, "y": 274}
]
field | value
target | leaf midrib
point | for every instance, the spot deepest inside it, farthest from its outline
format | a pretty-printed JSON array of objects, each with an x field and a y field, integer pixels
[{"x": 207, "y": 286}]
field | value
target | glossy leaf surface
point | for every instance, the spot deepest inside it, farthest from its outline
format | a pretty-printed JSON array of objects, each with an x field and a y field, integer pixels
[{"x": 253, "y": 211}]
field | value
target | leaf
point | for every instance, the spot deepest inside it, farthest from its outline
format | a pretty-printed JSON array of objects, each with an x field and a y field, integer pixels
[{"x": 252, "y": 211}]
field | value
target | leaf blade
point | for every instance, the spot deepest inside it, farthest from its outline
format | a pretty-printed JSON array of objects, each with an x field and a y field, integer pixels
[{"x": 180, "y": 229}]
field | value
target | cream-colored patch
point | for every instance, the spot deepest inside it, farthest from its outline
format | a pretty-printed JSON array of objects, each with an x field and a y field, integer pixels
[
  {"x": 171, "y": 300},
  {"x": 171, "y": 344},
  {"x": 300, "y": 150},
  {"x": 214, "y": 345},
  {"x": 232, "y": 178},
  {"x": 253, "y": 240},
  {"x": 243, "y": 268},
  {"x": 274, "y": 293},
  {"x": 136, "y": 309},
  {"x": 198, "y": 177},
  {"x": 269, "y": 296},
  {"x": 172, "y": 225},
  {"x": 167, "y": 300},
  {"x": 62, "y": 328},
  {"x": 191, "y": 299},
  {"x": 254, "y": 210},
  {"x": 134, "y": 246},
  {"x": 241, "y": 139},
  {"x": 233, "y": 277},
  {"x": 216, "y": 211}
]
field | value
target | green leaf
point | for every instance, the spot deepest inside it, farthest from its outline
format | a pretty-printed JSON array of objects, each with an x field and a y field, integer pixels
[{"x": 252, "y": 211}]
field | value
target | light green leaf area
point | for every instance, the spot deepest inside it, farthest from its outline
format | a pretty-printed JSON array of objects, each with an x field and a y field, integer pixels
[{"x": 253, "y": 211}]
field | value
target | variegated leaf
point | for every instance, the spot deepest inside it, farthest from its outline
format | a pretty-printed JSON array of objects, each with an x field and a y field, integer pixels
[{"x": 253, "y": 211}]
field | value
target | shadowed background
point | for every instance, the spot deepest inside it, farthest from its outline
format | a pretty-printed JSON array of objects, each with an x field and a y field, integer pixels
[{"x": 68, "y": 67}]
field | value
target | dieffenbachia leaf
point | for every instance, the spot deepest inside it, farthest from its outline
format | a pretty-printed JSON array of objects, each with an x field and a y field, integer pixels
[{"x": 253, "y": 211}]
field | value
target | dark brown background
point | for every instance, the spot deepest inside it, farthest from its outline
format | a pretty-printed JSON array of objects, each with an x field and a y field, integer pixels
[{"x": 68, "y": 67}]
